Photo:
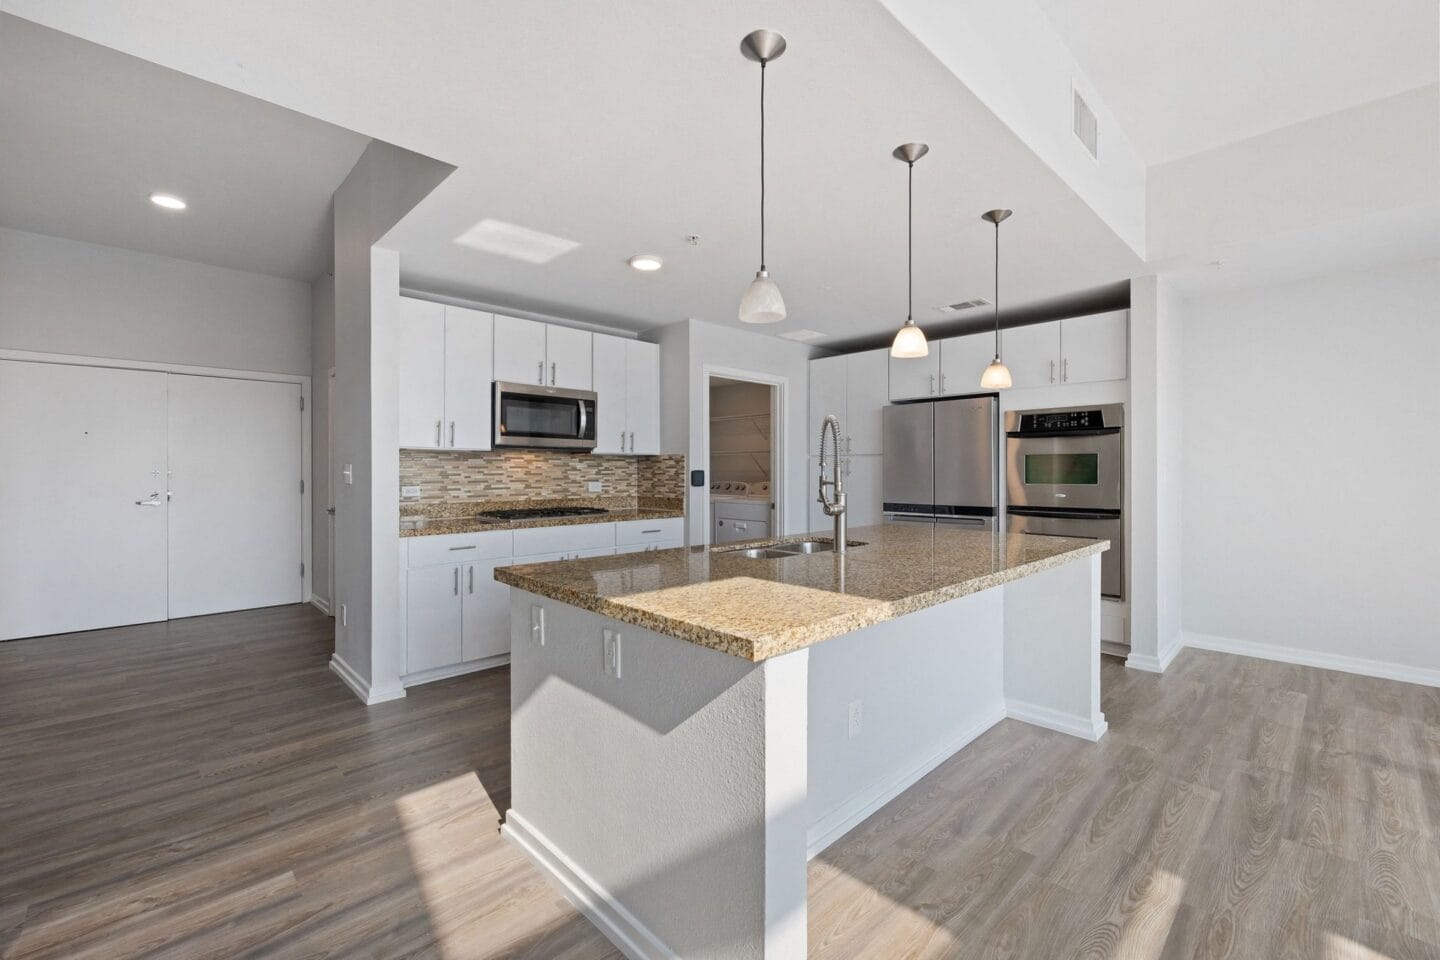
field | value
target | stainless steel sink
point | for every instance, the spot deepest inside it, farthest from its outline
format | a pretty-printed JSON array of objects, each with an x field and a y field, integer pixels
[{"x": 779, "y": 551}]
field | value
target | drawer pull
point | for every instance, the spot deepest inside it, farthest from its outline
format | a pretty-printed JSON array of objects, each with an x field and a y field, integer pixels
[
  {"x": 471, "y": 547},
  {"x": 656, "y": 530}
]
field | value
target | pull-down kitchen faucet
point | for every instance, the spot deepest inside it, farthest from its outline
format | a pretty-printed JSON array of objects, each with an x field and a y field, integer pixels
[{"x": 836, "y": 507}]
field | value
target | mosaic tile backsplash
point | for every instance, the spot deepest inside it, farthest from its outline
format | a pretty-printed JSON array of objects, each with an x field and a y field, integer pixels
[{"x": 510, "y": 475}]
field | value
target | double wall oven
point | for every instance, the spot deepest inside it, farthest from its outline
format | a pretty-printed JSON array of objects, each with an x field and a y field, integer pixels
[{"x": 1065, "y": 477}]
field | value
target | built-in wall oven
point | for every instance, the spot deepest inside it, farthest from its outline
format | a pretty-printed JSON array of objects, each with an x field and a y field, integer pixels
[
  {"x": 530, "y": 415},
  {"x": 1065, "y": 477}
]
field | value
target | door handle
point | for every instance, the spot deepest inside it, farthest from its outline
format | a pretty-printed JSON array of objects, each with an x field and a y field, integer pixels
[
  {"x": 552, "y": 374},
  {"x": 151, "y": 501}
]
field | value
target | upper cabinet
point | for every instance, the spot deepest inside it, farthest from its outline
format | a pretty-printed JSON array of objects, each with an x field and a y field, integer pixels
[
  {"x": 444, "y": 374},
  {"x": 627, "y": 395},
  {"x": 527, "y": 351},
  {"x": 854, "y": 388},
  {"x": 915, "y": 378},
  {"x": 1033, "y": 354},
  {"x": 1094, "y": 347},
  {"x": 963, "y": 361}
]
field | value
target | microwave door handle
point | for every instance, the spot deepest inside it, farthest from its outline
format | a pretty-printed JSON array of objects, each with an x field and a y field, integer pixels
[{"x": 584, "y": 419}]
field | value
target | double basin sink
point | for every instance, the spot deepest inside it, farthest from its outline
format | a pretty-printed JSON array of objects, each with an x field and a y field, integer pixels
[{"x": 779, "y": 551}]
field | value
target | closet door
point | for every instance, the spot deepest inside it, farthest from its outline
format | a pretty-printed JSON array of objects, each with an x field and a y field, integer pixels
[
  {"x": 235, "y": 513},
  {"x": 82, "y": 498}
]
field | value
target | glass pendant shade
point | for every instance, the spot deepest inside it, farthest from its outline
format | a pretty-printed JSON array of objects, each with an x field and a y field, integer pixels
[
  {"x": 910, "y": 342},
  {"x": 762, "y": 302},
  {"x": 996, "y": 376}
]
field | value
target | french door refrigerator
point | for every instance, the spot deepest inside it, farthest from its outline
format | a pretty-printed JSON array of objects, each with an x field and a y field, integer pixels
[{"x": 941, "y": 462}]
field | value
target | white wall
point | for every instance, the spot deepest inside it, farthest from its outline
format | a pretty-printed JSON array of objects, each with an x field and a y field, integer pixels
[
  {"x": 64, "y": 296},
  {"x": 322, "y": 353},
  {"x": 1310, "y": 461}
]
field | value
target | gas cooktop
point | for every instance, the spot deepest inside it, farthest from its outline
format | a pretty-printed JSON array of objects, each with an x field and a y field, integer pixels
[{"x": 543, "y": 513}]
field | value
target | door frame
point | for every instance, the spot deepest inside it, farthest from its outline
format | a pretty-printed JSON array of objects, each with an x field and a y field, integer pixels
[
  {"x": 779, "y": 463},
  {"x": 306, "y": 522}
]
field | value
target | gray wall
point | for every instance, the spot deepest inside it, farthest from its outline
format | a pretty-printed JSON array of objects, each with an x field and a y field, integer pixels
[
  {"x": 64, "y": 296},
  {"x": 322, "y": 353}
]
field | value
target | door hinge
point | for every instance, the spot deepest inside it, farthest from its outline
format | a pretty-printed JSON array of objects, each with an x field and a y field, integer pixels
[
  {"x": 302, "y": 486},
  {"x": 302, "y": 569},
  {"x": 302, "y": 403}
]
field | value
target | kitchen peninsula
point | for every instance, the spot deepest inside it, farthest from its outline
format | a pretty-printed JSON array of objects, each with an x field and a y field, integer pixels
[{"x": 689, "y": 726}]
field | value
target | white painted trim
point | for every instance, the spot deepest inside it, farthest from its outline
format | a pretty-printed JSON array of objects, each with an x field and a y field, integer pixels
[
  {"x": 454, "y": 670},
  {"x": 1075, "y": 725},
  {"x": 623, "y": 929},
  {"x": 1313, "y": 658},
  {"x": 368, "y": 695},
  {"x": 1158, "y": 664},
  {"x": 778, "y": 461},
  {"x": 320, "y": 603},
  {"x": 119, "y": 363},
  {"x": 854, "y": 811}
]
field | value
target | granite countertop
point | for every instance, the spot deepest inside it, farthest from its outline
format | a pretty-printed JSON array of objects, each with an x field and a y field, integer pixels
[
  {"x": 428, "y": 520},
  {"x": 756, "y": 609}
]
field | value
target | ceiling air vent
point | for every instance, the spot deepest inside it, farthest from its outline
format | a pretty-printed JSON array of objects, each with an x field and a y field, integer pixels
[
  {"x": 802, "y": 335},
  {"x": 964, "y": 305},
  {"x": 1086, "y": 127}
]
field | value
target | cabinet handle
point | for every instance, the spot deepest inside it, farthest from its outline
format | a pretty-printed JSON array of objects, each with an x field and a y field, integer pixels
[
  {"x": 456, "y": 586},
  {"x": 932, "y": 384},
  {"x": 632, "y": 441},
  {"x": 622, "y": 441},
  {"x": 439, "y": 424},
  {"x": 452, "y": 433},
  {"x": 541, "y": 373},
  {"x": 1052, "y": 371},
  {"x": 656, "y": 530},
  {"x": 472, "y": 579},
  {"x": 1065, "y": 370},
  {"x": 552, "y": 374},
  {"x": 471, "y": 547},
  {"x": 942, "y": 383}
]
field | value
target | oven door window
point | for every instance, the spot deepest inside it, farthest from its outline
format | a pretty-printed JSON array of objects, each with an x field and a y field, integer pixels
[
  {"x": 1068, "y": 469},
  {"x": 540, "y": 417}
]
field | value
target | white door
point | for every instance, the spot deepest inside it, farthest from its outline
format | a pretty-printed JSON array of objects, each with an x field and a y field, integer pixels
[
  {"x": 569, "y": 353},
  {"x": 469, "y": 361},
  {"x": 963, "y": 361},
  {"x": 916, "y": 376},
  {"x": 611, "y": 395},
  {"x": 520, "y": 350},
  {"x": 867, "y": 386},
  {"x": 420, "y": 359},
  {"x": 1033, "y": 354},
  {"x": 485, "y": 611},
  {"x": 1094, "y": 347},
  {"x": 642, "y": 395},
  {"x": 81, "y": 445},
  {"x": 235, "y": 510},
  {"x": 827, "y": 395},
  {"x": 432, "y": 612}
]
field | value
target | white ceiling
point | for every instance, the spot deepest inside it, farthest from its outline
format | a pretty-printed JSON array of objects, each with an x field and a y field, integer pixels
[
  {"x": 90, "y": 133},
  {"x": 625, "y": 126},
  {"x": 1182, "y": 77}
]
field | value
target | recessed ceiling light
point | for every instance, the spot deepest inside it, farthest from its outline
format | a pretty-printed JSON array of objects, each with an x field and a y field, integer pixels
[
  {"x": 167, "y": 200},
  {"x": 646, "y": 261},
  {"x": 515, "y": 242}
]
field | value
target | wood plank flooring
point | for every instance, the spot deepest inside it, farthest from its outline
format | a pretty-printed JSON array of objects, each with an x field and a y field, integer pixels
[{"x": 207, "y": 788}]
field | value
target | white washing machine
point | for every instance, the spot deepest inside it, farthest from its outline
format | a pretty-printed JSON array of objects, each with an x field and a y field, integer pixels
[{"x": 739, "y": 510}]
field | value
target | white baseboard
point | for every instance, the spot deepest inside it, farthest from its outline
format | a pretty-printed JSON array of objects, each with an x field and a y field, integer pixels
[
  {"x": 1313, "y": 658},
  {"x": 623, "y": 929},
  {"x": 1073, "y": 724},
  {"x": 454, "y": 670},
  {"x": 1156, "y": 664},
  {"x": 853, "y": 812},
  {"x": 320, "y": 603},
  {"x": 368, "y": 695}
]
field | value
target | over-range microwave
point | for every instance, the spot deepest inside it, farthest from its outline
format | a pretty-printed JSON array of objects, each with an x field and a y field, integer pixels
[{"x": 530, "y": 415}]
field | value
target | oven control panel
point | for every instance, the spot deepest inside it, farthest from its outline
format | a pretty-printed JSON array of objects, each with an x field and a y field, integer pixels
[{"x": 1062, "y": 421}]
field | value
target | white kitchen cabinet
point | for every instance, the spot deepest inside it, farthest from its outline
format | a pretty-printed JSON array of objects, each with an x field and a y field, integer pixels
[
  {"x": 568, "y": 355},
  {"x": 916, "y": 377},
  {"x": 485, "y": 611},
  {"x": 1094, "y": 347},
  {"x": 444, "y": 361},
  {"x": 863, "y": 494},
  {"x": 963, "y": 361},
  {"x": 1033, "y": 354},
  {"x": 433, "y": 618},
  {"x": 648, "y": 547},
  {"x": 827, "y": 396},
  {"x": 855, "y": 387},
  {"x": 420, "y": 359},
  {"x": 627, "y": 390},
  {"x": 520, "y": 350}
]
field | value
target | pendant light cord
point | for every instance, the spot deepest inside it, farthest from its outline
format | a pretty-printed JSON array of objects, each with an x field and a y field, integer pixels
[
  {"x": 910, "y": 248},
  {"x": 997, "y": 291},
  {"x": 762, "y": 164}
]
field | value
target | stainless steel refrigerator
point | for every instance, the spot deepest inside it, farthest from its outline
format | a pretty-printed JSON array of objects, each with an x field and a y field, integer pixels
[{"x": 942, "y": 462}]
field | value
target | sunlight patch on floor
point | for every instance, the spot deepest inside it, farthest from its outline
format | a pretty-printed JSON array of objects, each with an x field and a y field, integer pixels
[
  {"x": 1343, "y": 948},
  {"x": 1150, "y": 918}
]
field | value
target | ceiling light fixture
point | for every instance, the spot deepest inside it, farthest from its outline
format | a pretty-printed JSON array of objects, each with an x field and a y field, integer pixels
[
  {"x": 762, "y": 302},
  {"x": 910, "y": 339},
  {"x": 646, "y": 262},
  {"x": 168, "y": 200},
  {"x": 997, "y": 375}
]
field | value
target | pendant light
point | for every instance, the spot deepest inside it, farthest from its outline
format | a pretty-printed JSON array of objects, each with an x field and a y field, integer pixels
[
  {"x": 762, "y": 302},
  {"x": 997, "y": 375},
  {"x": 910, "y": 339}
]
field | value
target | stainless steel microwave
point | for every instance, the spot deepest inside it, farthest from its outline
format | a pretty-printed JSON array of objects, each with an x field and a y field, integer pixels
[{"x": 530, "y": 415}]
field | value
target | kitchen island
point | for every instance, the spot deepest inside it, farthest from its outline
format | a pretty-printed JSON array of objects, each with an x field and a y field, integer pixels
[{"x": 689, "y": 726}]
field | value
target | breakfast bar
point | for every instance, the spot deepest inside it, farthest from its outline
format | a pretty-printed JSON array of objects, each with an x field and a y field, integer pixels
[{"x": 690, "y": 726}]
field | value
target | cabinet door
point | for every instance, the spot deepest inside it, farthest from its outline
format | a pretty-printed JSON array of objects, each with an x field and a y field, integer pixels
[
  {"x": 867, "y": 387},
  {"x": 421, "y": 373},
  {"x": 520, "y": 350},
  {"x": 568, "y": 354},
  {"x": 916, "y": 377},
  {"x": 611, "y": 398},
  {"x": 862, "y": 491},
  {"x": 469, "y": 365},
  {"x": 1094, "y": 347},
  {"x": 963, "y": 361},
  {"x": 1033, "y": 354},
  {"x": 827, "y": 395},
  {"x": 642, "y": 387},
  {"x": 432, "y": 618},
  {"x": 486, "y": 611}
]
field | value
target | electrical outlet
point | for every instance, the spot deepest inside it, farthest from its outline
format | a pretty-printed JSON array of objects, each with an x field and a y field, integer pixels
[
  {"x": 410, "y": 491},
  {"x": 857, "y": 717},
  {"x": 537, "y": 624},
  {"x": 612, "y": 653},
  {"x": 594, "y": 486}
]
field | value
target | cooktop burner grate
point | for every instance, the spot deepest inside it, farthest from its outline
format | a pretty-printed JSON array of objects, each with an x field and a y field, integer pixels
[{"x": 544, "y": 513}]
